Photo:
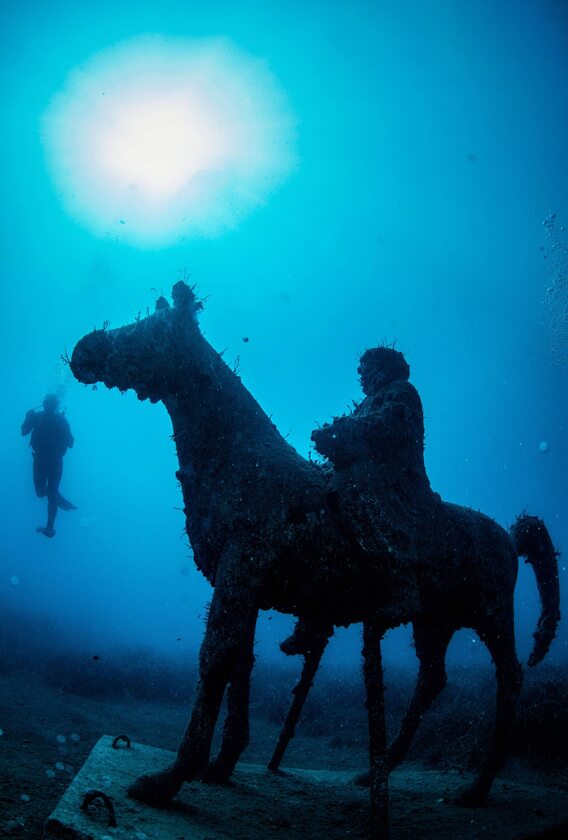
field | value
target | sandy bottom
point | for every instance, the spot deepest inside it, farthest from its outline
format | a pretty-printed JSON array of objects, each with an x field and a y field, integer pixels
[{"x": 48, "y": 736}]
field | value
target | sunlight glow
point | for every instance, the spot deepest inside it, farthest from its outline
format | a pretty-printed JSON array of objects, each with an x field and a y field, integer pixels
[
  {"x": 160, "y": 145},
  {"x": 158, "y": 140}
]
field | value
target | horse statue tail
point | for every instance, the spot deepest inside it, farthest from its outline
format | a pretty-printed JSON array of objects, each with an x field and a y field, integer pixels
[{"x": 532, "y": 541}]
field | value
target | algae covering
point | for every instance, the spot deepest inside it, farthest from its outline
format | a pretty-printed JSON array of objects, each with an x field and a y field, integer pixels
[{"x": 361, "y": 539}]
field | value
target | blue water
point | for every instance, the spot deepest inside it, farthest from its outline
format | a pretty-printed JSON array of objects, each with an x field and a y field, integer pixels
[{"x": 430, "y": 146}]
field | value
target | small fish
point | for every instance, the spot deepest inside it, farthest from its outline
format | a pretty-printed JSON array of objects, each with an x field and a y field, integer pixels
[{"x": 96, "y": 657}]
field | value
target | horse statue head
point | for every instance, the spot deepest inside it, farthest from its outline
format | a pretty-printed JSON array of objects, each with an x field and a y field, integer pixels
[{"x": 144, "y": 356}]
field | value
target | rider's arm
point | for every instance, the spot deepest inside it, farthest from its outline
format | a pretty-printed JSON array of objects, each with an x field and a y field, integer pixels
[
  {"x": 339, "y": 441},
  {"x": 389, "y": 422}
]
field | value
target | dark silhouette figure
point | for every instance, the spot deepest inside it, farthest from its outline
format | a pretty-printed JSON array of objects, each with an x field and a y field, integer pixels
[
  {"x": 381, "y": 496},
  {"x": 50, "y": 439},
  {"x": 267, "y": 530},
  {"x": 379, "y": 488}
]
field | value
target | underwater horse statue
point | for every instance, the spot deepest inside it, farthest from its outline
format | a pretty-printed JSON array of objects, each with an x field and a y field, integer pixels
[{"x": 265, "y": 535}]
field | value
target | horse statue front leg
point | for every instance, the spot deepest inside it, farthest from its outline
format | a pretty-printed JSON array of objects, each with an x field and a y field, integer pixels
[
  {"x": 309, "y": 639},
  {"x": 236, "y": 728},
  {"x": 230, "y": 627}
]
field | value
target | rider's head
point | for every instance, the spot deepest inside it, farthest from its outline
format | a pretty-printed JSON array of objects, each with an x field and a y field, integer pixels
[
  {"x": 380, "y": 366},
  {"x": 51, "y": 403}
]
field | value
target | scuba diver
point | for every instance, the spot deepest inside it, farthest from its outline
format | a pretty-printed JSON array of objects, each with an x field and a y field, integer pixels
[{"x": 50, "y": 438}]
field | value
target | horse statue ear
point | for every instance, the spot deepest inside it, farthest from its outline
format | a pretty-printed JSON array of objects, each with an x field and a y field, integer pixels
[{"x": 162, "y": 304}]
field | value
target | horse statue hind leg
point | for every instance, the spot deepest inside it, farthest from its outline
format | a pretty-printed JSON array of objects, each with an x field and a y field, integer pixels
[
  {"x": 488, "y": 569},
  {"x": 430, "y": 640},
  {"x": 531, "y": 540},
  {"x": 499, "y": 638}
]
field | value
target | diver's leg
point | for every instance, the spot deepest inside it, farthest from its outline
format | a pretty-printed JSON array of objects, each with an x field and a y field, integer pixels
[
  {"x": 233, "y": 609},
  {"x": 41, "y": 471},
  {"x": 379, "y": 771},
  {"x": 499, "y": 637},
  {"x": 236, "y": 728},
  {"x": 62, "y": 502},
  {"x": 431, "y": 643},
  {"x": 313, "y": 655},
  {"x": 54, "y": 472},
  {"x": 40, "y": 477}
]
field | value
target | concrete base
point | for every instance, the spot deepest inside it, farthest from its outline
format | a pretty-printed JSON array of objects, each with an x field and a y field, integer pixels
[{"x": 298, "y": 805}]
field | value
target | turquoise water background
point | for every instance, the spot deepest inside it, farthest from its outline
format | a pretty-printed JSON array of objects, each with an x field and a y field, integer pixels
[{"x": 431, "y": 146}]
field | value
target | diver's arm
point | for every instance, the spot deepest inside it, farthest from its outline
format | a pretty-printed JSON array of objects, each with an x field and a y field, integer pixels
[{"x": 29, "y": 422}]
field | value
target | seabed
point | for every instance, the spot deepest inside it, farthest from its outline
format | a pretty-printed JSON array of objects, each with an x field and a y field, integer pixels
[{"x": 297, "y": 805}]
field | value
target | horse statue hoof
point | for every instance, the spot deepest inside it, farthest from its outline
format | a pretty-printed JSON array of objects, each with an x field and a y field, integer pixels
[
  {"x": 362, "y": 779},
  {"x": 216, "y": 774},
  {"x": 157, "y": 789}
]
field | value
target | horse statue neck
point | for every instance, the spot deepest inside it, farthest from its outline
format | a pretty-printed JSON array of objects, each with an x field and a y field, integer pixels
[
  {"x": 233, "y": 462},
  {"x": 216, "y": 421}
]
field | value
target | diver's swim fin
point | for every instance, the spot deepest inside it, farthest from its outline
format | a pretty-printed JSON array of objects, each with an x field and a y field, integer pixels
[{"x": 64, "y": 504}]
